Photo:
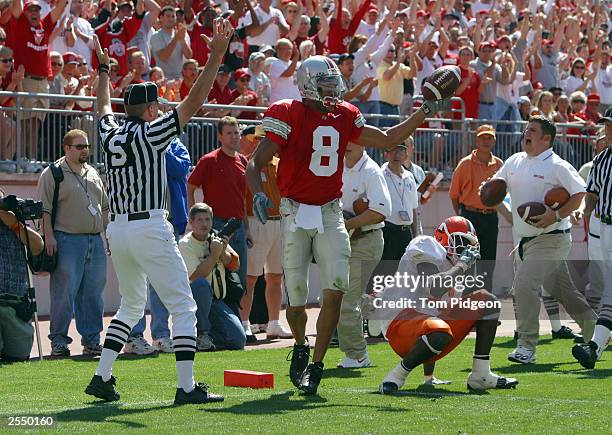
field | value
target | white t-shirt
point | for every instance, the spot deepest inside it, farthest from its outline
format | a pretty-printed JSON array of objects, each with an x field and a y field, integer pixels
[
  {"x": 403, "y": 193},
  {"x": 573, "y": 83},
  {"x": 429, "y": 66},
  {"x": 603, "y": 83},
  {"x": 272, "y": 33},
  {"x": 366, "y": 180},
  {"x": 80, "y": 47},
  {"x": 282, "y": 87},
  {"x": 528, "y": 180},
  {"x": 366, "y": 29}
]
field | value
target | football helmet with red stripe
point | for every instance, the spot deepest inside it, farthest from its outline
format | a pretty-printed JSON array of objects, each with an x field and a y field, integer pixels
[{"x": 319, "y": 79}]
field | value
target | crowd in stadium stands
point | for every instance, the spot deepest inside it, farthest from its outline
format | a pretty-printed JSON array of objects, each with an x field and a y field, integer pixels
[{"x": 516, "y": 58}]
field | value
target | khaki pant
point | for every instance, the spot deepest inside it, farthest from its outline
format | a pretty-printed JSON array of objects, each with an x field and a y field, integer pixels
[
  {"x": 366, "y": 252},
  {"x": 544, "y": 264}
]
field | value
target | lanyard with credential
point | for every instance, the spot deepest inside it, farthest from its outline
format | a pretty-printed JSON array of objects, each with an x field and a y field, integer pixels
[
  {"x": 90, "y": 206},
  {"x": 401, "y": 195}
]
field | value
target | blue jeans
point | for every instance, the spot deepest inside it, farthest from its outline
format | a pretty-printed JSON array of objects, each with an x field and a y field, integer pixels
[
  {"x": 369, "y": 107},
  {"x": 76, "y": 287},
  {"x": 238, "y": 243},
  {"x": 485, "y": 111},
  {"x": 159, "y": 313},
  {"x": 504, "y": 111},
  {"x": 388, "y": 109},
  {"x": 216, "y": 319}
]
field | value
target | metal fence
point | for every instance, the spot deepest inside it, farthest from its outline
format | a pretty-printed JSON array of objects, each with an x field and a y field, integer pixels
[{"x": 36, "y": 134}]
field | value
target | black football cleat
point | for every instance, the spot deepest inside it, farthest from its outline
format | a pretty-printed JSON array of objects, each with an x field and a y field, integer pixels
[
  {"x": 299, "y": 362},
  {"x": 564, "y": 333},
  {"x": 388, "y": 388},
  {"x": 586, "y": 354},
  {"x": 311, "y": 378},
  {"x": 198, "y": 395},
  {"x": 103, "y": 390}
]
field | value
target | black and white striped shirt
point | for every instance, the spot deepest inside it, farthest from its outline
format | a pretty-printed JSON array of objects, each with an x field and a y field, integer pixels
[
  {"x": 135, "y": 161},
  {"x": 600, "y": 182}
]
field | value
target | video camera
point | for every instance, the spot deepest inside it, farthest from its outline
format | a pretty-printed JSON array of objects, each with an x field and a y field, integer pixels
[{"x": 24, "y": 209}]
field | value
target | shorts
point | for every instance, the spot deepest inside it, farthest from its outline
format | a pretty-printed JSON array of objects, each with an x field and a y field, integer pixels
[
  {"x": 410, "y": 325},
  {"x": 265, "y": 255},
  {"x": 331, "y": 250},
  {"x": 36, "y": 86}
]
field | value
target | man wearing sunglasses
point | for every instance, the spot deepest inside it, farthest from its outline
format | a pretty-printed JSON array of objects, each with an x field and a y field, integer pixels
[{"x": 81, "y": 215}]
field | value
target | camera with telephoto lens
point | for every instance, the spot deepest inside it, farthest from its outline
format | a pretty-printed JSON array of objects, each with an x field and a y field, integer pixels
[
  {"x": 230, "y": 227},
  {"x": 24, "y": 209}
]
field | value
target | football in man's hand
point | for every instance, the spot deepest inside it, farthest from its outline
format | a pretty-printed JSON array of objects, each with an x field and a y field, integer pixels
[
  {"x": 442, "y": 83},
  {"x": 493, "y": 192},
  {"x": 359, "y": 206},
  {"x": 530, "y": 209},
  {"x": 556, "y": 197}
]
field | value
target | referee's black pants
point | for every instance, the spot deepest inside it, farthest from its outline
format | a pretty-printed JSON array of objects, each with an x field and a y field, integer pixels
[{"x": 487, "y": 227}]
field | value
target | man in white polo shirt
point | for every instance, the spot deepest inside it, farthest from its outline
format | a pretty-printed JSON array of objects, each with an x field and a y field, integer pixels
[
  {"x": 362, "y": 180},
  {"x": 544, "y": 246}
]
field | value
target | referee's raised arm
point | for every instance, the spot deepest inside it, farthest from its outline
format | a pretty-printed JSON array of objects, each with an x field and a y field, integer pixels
[
  {"x": 222, "y": 33},
  {"x": 103, "y": 92}
]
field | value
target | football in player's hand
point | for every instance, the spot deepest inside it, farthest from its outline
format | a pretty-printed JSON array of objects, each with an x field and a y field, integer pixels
[
  {"x": 426, "y": 182},
  {"x": 493, "y": 192},
  {"x": 442, "y": 83},
  {"x": 359, "y": 206},
  {"x": 556, "y": 197},
  {"x": 530, "y": 209}
]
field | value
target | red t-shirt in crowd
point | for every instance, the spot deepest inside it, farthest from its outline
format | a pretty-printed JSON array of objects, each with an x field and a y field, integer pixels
[
  {"x": 117, "y": 43},
  {"x": 184, "y": 90},
  {"x": 319, "y": 46},
  {"x": 198, "y": 45},
  {"x": 31, "y": 45},
  {"x": 469, "y": 96},
  {"x": 252, "y": 102},
  {"x": 339, "y": 38},
  {"x": 223, "y": 181},
  {"x": 312, "y": 147},
  {"x": 222, "y": 96},
  {"x": 4, "y": 83}
]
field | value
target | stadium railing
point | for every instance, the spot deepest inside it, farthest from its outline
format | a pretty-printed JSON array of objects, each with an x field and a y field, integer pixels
[{"x": 438, "y": 147}]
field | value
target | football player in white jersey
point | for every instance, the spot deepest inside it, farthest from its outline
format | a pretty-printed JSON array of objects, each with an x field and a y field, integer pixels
[{"x": 424, "y": 314}]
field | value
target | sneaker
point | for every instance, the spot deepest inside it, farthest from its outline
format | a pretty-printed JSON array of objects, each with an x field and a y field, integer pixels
[
  {"x": 299, "y": 362},
  {"x": 103, "y": 390},
  {"x": 350, "y": 363},
  {"x": 164, "y": 345},
  {"x": 311, "y": 378},
  {"x": 59, "y": 349},
  {"x": 257, "y": 328},
  {"x": 579, "y": 339},
  {"x": 277, "y": 331},
  {"x": 198, "y": 395},
  {"x": 564, "y": 333},
  {"x": 204, "y": 343},
  {"x": 490, "y": 381},
  {"x": 586, "y": 354},
  {"x": 138, "y": 346},
  {"x": 394, "y": 380},
  {"x": 250, "y": 337},
  {"x": 522, "y": 355},
  {"x": 92, "y": 350},
  {"x": 433, "y": 381}
]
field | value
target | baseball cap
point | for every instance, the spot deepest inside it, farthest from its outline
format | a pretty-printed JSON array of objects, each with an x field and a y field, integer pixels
[
  {"x": 142, "y": 93},
  {"x": 241, "y": 72},
  {"x": 265, "y": 48},
  {"x": 223, "y": 68},
  {"x": 393, "y": 147},
  {"x": 547, "y": 42},
  {"x": 31, "y": 3},
  {"x": 524, "y": 100},
  {"x": 593, "y": 98},
  {"x": 373, "y": 8},
  {"x": 503, "y": 38},
  {"x": 485, "y": 129},
  {"x": 70, "y": 57},
  {"x": 607, "y": 116},
  {"x": 487, "y": 44}
]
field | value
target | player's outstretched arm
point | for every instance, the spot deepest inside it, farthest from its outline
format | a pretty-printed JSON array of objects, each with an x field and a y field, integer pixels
[
  {"x": 222, "y": 33},
  {"x": 103, "y": 92},
  {"x": 376, "y": 138}
]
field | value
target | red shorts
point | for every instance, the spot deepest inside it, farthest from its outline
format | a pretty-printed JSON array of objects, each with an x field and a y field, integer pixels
[{"x": 410, "y": 325}]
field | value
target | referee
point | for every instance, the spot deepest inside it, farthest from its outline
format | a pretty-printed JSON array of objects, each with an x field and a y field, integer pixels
[
  {"x": 599, "y": 195},
  {"x": 139, "y": 236}
]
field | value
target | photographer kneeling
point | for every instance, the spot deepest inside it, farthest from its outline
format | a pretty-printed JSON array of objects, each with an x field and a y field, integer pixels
[
  {"x": 211, "y": 264},
  {"x": 16, "y": 331}
]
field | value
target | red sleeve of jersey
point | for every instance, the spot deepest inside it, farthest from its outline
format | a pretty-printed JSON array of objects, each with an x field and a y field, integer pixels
[
  {"x": 48, "y": 23},
  {"x": 197, "y": 176},
  {"x": 277, "y": 122},
  {"x": 131, "y": 26},
  {"x": 358, "y": 121}
]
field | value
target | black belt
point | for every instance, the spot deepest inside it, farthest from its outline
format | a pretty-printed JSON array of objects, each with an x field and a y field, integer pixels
[
  {"x": 398, "y": 227},
  {"x": 134, "y": 216},
  {"x": 363, "y": 233},
  {"x": 274, "y": 218},
  {"x": 486, "y": 104},
  {"x": 529, "y": 239},
  {"x": 39, "y": 78},
  {"x": 595, "y": 236},
  {"x": 606, "y": 220}
]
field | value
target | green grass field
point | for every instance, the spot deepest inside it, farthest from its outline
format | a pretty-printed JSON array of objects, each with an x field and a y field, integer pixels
[{"x": 554, "y": 396}]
